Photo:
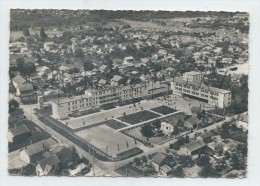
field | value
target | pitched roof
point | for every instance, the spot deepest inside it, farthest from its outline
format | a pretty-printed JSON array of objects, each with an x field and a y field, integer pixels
[
  {"x": 194, "y": 145},
  {"x": 25, "y": 87},
  {"x": 116, "y": 78},
  {"x": 51, "y": 161},
  {"x": 16, "y": 112},
  {"x": 19, "y": 80},
  {"x": 174, "y": 119},
  {"x": 39, "y": 146},
  {"x": 102, "y": 81},
  {"x": 243, "y": 117},
  {"x": 206, "y": 135},
  {"x": 159, "y": 157},
  {"x": 18, "y": 130},
  {"x": 166, "y": 168}
]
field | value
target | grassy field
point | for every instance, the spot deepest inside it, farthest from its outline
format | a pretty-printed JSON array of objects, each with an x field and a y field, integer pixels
[
  {"x": 114, "y": 124},
  {"x": 107, "y": 139},
  {"x": 164, "y": 110},
  {"x": 138, "y": 117}
]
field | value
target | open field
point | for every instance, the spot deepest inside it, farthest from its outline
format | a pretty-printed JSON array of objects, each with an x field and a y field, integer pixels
[
  {"x": 114, "y": 124},
  {"x": 164, "y": 110},
  {"x": 104, "y": 115},
  {"x": 107, "y": 139},
  {"x": 138, "y": 117}
]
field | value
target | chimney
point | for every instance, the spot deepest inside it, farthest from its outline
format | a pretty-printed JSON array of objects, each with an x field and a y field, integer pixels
[{"x": 43, "y": 146}]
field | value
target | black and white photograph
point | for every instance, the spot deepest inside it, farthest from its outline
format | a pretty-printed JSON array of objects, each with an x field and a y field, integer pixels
[{"x": 128, "y": 93}]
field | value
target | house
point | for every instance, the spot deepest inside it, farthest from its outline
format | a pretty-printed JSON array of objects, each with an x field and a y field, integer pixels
[
  {"x": 192, "y": 148},
  {"x": 35, "y": 152},
  {"x": 206, "y": 137},
  {"x": 16, "y": 115},
  {"x": 48, "y": 46},
  {"x": 48, "y": 166},
  {"x": 104, "y": 68},
  {"x": 18, "y": 80},
  {"x": 128, "y": 59},
  {"x": 17, "y": 133},
  {"x": 242, "y": 121},
  {"x": 165, "y": 170},
  {"x": 192, "y": 123},
  {"x": 159, "y": 159},
  {"x": 24, "y": 90},
  {"x": 102, "y": 82},
  {"x": 115, "y": 81},
  {"x": 167, "y": 125}
]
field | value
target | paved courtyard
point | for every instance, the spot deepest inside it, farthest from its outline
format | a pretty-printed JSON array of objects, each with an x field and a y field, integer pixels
[{"x": 107, "y": 139}]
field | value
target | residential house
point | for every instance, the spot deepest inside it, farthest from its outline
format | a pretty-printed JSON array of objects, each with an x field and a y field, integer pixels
[
  {"x": 160, "y": 159},
  {"x": 165, "y": 170},
  {"x": 17, "y": 133},
  {"x": 128, "y": 60},
  {"x": 16, "y": 115},
  {"x": 48, "y": 166},
  {"x": 102, "y": 82},
  {"x": 192, "y": 123},
  {"x": 18, "y": 80},
  {"x": 24, "y": 90},
  {"x": 48, "y": 46},
  {"x": 192, "y": 148},
  {"x": 206, "y": 137},
  {"x": 35, "y": 151},
  {"x": 167, "y": 125},
  {"x": 115, "y": 81},
  {"x": 242, "y": 121}
]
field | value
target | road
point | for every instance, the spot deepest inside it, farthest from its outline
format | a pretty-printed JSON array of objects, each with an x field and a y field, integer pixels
[{"x": 104, "y": 168}]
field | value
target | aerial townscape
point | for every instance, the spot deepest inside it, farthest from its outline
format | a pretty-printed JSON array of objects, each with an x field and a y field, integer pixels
[{"x": 128, "y": 93}]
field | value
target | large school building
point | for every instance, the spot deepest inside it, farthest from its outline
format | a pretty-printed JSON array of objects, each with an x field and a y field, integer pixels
[
  {"x": 96, "y": 99},
  {"x": 191, "y": 85}
]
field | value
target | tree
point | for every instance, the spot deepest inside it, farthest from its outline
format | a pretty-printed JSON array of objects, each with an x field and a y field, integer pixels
[
  {"x": 147, "y": 131},
  {"x": 208, "y": 171},
  {"x": 13, "y": 105},
  {"x": 203, "y": 160},
  {"x": 19, "y": 62},
  {"x": 43, "y": 34},
  {"x": 78, "y": 53},
  {"x": 26, "y": 32},
  {"x": 185, "y": 161},
  {"x": 178, "y": 172},
  {"x": 88, "y": 65}
]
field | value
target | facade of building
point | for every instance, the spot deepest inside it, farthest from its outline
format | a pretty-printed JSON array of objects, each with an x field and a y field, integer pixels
[
  {"x": 194, "y": 77},
  {"x": 16, "y": 115},
  {"x": 188, "y": 87},
  {"x": 106, "y": 97},
  {"x": 192, "y": 147}
]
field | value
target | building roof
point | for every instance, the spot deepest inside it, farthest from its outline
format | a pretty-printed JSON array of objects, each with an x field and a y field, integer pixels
[
  {"x": 18, "y": 130},
  {"x": 116, "y": 78},
  {"x": 51, "y": 161},
  {"x": 40, "y": 146},
  {"x": 102, "y": 81},
  {"x": 159, "y": 157},
  {"x": 196, "y": 110},
  {"x": 16, "y": 112},
  {"x": 70, "y": 99},
  {"x": 166, "y": 168},
  {"x": 180, "y": 80},
  {"x": 19, "y": 80},
  {"x": 25, "y": 87},
  {"x": 192, "y": 73},
  {"x": 174, "y": 119},
  {"x": 243, "y": 117},
  {"x": 194, "y": 145},
  {"x": 206, "y": 135}
]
